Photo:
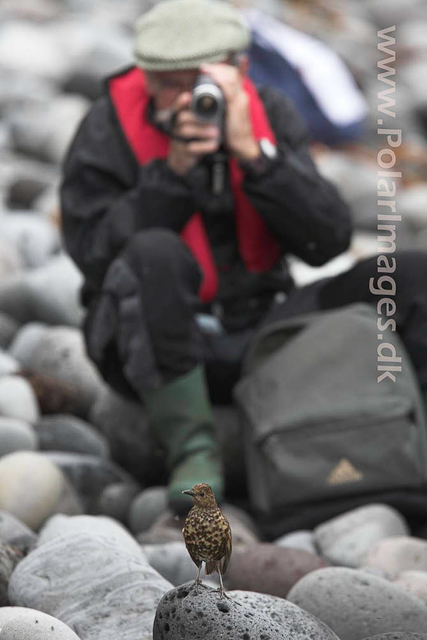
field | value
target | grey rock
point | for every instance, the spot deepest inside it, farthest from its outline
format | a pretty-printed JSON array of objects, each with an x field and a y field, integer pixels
[
  {"x": 193, "y": 611},
  {"x": 414, "y": 582},
  {"x": 294, "y": 622},
  {"x": 167, "y": 528},
  {"x": 8, "y": 364},
  {"x": 115, "y": 500},
  {"x": 30, "y": 486},
  {"x": 45, "y": 130},
  {"x": 54, "y": 291},
  {"x": 23, "y": 87},
  {"x": 355, "y": 604},
  {"x": 172, "y": 561},
  {"x": 10, "y": 261},
  {"x": 297, "y": 540},
  {"x": 62, "y": 432},
  {"x": 32, "y": 49},
  {"x": 91, "y": 584},
  {"x": 395, "y": 555},
  {"x": 20, "y": 623},
  {"x": 89, "y": 475},
  {"x": 22, "y": 193},
  {"x": 8, "y": 330},
  {"x": 346, "y": 539},
  {"x": 59, "y": 526},
  {"x": 266, "y": 568},
  {"x": 398, "y": 635},
  {"x": 48, "y": 294},
  {"x": 17, "y": 399},
  {"x": 9, "y": 558},
  {"x": 15, "y": 533},
  {"x": 16, "y": 435},
  {"x": 26, "y": 341},
  {"x": 60, "y": 352},
  {"x": 35, "y": 238},
  {"x": 245, "y": 531},
  {"x": 146, "y": 508}
]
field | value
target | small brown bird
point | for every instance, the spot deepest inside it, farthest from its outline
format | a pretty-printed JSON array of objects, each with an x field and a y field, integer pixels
[{"x": 207, "y": 533}]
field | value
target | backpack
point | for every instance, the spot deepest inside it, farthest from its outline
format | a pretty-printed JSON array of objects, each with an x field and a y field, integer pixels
[{"x": 321, "y": 433}]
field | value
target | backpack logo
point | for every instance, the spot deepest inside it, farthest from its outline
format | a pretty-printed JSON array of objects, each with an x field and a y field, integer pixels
[{"x": 344, "y": 473}]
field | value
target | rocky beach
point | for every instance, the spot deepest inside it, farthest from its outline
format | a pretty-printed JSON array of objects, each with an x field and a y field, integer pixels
[{"x": 88, "y": 549}]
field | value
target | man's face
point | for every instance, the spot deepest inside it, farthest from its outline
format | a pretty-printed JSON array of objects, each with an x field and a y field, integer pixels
[{"x": 166, "y": 86}]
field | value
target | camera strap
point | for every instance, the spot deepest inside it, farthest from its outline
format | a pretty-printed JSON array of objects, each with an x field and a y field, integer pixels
[{"x": 219, "y": 169}]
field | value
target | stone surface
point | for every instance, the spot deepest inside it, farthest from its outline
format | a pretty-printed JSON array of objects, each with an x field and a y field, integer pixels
[
  {"x": 146, "y": 507},
  {"x": 192, "y": 611},
  {"x": 399, "y": 635},
  {"x": 44, "y": 130},
  {"x": 88, "y": 474},
  {"x": 172, "y": 561},
  {"x": 15, "y": 533},
  {"x": 26, "y": 340},
  {"x": 60, "y": 352},
  {"x": 60, "y": 526},
  {"x": 30, "y": 486},
  {"x": 346, "y": 539},
  {"x": 266, "y": 568},
  {"x": 356, "y": 605},
  {"x": 17, "y": 399},
  {"x": 16, "y": 435},
  {"x": 48, "y": 294},
  {"x": 9, "y": 558},
  {"x": 8, "y": 330},
  {"x": 35, "y": 239},
  {"x": 8, "y": 364},
  {"x": 302, "y": 540},
  {"x": 69, "y": 433},
  {"x": 395, "y": 555},
  {"x": 10, "y": 262},
  {"x": 115, "y": 500},
  {"x": 105, "y": 591},
  {"x": 54, "y": 292},
  {"x": 20, "y": 623},
  {"x": 415, "y": 582}
]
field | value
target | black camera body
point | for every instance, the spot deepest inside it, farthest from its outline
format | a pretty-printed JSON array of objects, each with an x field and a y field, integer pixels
[{"x": 208, "y": 101}]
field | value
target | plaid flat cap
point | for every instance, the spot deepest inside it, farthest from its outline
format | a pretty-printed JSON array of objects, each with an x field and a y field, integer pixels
[{"x": 182, "y": 34}]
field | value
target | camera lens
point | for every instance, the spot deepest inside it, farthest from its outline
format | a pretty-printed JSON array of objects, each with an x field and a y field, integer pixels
[{"x": 206, "y": 105}]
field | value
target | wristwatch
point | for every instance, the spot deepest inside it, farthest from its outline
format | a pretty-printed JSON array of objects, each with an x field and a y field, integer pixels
[{"x": 265, "y": 162}]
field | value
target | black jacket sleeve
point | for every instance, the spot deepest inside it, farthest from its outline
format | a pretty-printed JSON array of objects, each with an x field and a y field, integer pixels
[
  {"x": 304, "y": 210},
  {"x": 106, "y": 197}
]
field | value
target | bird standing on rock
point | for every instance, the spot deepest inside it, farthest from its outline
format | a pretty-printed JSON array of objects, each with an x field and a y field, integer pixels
[{"x": 207, "y": 533}]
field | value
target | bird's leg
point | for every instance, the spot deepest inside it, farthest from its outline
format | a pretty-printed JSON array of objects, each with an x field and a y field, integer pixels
[
  {"x": 221, "y": 588},
  {"x": 198, "y": 581}
]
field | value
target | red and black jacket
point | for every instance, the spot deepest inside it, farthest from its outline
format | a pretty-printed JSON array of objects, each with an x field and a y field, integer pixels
[{"x": 114, "y": 186}]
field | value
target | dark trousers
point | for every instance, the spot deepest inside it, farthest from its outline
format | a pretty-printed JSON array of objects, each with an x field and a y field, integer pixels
[{"x": 163, "y": 298}]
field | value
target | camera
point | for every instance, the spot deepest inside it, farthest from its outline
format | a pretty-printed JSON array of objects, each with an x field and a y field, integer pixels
[{"x": 208, "y": 102}]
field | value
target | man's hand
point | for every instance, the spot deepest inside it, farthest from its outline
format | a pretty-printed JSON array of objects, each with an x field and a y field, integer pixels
[
  {"x": 185, "y": 152},
  {"x": 238, "y": 134}
]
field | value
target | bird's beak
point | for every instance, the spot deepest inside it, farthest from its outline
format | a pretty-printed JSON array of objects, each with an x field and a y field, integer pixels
[{"x": 188, "y": 492}]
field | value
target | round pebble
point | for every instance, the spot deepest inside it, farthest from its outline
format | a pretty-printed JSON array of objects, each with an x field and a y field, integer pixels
[{"x": 30, "y": 486}]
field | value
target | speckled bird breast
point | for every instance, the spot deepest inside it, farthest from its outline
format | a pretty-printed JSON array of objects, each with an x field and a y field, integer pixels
[{"x": 206, "y": 534}]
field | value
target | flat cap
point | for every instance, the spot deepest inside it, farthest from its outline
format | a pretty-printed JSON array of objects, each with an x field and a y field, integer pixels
[{"x": 182, "y": 34}]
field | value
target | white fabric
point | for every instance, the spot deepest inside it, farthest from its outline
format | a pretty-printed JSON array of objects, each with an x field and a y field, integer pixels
[{"x": 321, "y": 69}]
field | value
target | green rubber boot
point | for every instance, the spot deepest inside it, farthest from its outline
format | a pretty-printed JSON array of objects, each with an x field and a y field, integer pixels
[{"x": 181, "y": 419}]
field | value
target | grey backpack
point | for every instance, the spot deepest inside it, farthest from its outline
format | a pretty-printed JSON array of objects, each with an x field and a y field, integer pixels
[{"x": 322, "y": 433}]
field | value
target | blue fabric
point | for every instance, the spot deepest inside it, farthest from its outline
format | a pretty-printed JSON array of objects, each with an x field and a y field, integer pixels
[{"x": 269, "y": 67}]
